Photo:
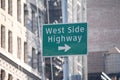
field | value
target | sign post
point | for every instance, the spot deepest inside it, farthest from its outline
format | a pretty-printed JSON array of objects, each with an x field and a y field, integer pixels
[{"x": 64, "y": 39}]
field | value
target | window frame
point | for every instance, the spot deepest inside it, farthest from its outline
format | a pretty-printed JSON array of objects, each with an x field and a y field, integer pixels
[
  {"x": 3, "y": 4},
  {"x": 10, "y": 41},
  {"x": 3, "y": 35},
  {"x": 19, "y": 48},
  {"x": 19, "y": 10},
  {"x": 10, "y": 6}
]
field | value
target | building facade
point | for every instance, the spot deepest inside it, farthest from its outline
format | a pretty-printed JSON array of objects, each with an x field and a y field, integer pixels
[
  {"x": 20, "y": 49},
  {"x": 53, "y": 65},
  {"x": 103, "y": 17},
  {"x": 20, "y": 40},
  {"x": 77, "y": 65}
]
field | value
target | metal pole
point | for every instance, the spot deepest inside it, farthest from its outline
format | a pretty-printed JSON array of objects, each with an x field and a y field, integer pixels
[
  {"x": 48, "y": 11},
  {"x": 51, "y": 67},
  {"x": 65, "y": 20},
  {"x": 48, "y": 23},
  {"x": 64, "y": 11}
]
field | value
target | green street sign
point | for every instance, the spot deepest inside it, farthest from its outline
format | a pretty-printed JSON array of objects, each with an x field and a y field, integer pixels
[{"x": 64, "y": 39}]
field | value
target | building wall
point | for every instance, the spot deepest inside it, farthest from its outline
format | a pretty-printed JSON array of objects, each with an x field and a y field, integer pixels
[
  {"x": 13, "y": 71},
  {"x": 103, "y": 21},
  {"x": 26, "y": 64},
  {"x": 103, "y": 24},
  {"x": 77, "y": 64},
  {"x": 17, "y": 29}
]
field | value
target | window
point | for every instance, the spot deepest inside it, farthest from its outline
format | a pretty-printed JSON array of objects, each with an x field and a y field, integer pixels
[
  {"x": 19, "y": 47},
  {"x": 2, "y": 36},
  {"x": 10, "y": 41},
  {"x": 3, "y": 4},
  {"x": 2, "y": 75},
  {"x": 34, "y": 59},
  {"x": 19, "y": 10},
  {"x": 10, "y": 7},
  {"x": 39, "y": 61},
  {"x": 33, "y": 21},
  {"x": 25, "y": 53},
  {"x": 25, "y": 14},
  {"x": 79, "y": 17},
  {"x": 10, "y": 77},
  {"x": 40, "y": 21},
  {"x": 39, "y": 25}
]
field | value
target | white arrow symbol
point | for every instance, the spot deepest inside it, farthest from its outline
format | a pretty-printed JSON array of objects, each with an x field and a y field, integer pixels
[{"x": 65, "y": 47}]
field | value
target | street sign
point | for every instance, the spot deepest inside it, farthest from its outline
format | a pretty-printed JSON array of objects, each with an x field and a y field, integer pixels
[{"x": 64, "y": 39}]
